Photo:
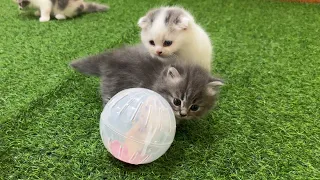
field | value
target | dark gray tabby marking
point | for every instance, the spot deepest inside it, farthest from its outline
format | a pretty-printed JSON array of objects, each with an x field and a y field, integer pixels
[
  {"x": 80, "y": 9},
  {"x": 131, "y": 67},
  {"x": 93, "y": 7},
  {"x": 62, "y": 4},
  {"x": 53, "y": 2},
  {"x": 173, "y": 16},
  {"x": 24, "y": 4},
  {"x": 151, "y": 16}
]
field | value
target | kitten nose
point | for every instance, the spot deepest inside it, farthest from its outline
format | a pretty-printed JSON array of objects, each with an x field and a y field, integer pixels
[
  {"x": 159, "y": 52},
  {"x": 182, "y": 114}
]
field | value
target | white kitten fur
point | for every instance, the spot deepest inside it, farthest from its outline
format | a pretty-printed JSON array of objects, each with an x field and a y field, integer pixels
[
  {"x": 72, "y": 8},
  {"x": 189, "y": 41},
  {"x": 45, "y": 7}
]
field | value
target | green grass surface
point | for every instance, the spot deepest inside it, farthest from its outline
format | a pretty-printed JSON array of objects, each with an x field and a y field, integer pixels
[{"x": 266, "y": 125}]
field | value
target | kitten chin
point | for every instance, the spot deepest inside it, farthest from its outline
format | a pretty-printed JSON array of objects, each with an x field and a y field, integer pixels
[
  {"x": 190, "y": 90},
  {"x": 61, "y": 9},
  {"x": 172, "y": 31}
]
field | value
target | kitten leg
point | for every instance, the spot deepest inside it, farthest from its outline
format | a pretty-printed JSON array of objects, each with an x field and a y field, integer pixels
[
  {"x": 60, "y": 16},
  {"x": 37, "y": 13},
  {"x": 45, "y": 10}
]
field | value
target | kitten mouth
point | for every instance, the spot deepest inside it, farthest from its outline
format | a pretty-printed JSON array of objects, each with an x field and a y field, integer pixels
[
  {"x": 184, "y": 117},
  {"x": 160, "y": 55}
]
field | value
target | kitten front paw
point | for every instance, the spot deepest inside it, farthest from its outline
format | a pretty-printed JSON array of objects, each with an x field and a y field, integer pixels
[
  {"x": 37, "y": 13},
  {"x": 60, "y": 16},
  {"x": 44, "y": 19}
]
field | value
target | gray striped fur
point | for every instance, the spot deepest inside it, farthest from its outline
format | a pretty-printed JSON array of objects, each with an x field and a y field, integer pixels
[{"x": 131, "y": 67}]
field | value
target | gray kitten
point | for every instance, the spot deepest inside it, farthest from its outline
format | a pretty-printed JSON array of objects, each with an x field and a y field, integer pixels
[{"x": 190, "y": 90}]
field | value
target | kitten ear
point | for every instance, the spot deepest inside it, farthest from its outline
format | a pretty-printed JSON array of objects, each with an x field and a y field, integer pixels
[
  {"x": 212, "y": 87},
  {"x": 173, "y": 75},
  {"x": 143, "y": 22},
  {"x": 182, "y": 23}
]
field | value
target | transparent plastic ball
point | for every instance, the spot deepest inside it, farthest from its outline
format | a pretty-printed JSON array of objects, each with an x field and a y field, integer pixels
[{"x": 137, "y": 126}]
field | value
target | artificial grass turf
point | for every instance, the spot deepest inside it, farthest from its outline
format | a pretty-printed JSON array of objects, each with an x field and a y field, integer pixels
[{"x": 265, "y": 126}]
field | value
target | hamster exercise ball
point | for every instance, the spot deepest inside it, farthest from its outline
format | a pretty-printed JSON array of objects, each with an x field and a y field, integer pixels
[{"x": 137, "y": 126}]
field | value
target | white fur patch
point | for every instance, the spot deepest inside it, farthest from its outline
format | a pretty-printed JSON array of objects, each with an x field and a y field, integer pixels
[
  {"x": 212, "y": 87},
  {"x": 190, "y": 43},
  {"x": 183, "y": 25}
]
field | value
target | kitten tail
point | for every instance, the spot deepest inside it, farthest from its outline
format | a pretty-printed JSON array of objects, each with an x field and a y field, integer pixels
[
  {"x": 89, "y": 65},
  {"x": 94, "y": 7}
]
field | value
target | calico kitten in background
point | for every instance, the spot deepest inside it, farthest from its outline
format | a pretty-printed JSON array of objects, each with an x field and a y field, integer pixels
[
  {"x": 172, "y": 31},
  {"x": 190, "y": 90},
  {"x": 61, "y": 9}
]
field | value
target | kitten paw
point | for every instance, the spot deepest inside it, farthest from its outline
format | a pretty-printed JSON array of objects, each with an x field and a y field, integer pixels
[
  {"x": 44, "y": 19},
  {"x": 60, "y": 16},
  {"x": 37, "y": 13}
]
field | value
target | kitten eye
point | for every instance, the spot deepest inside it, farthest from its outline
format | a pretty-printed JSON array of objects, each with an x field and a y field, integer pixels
[
  {"x": 167, "y": 43},
  {"x": 151, "y": 42},
  {"x": 194, "y": 108},
  {"x": 176, "y": 102}
]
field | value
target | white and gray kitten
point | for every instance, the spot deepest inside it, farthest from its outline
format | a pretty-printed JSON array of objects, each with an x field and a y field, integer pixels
[
  {"x": 61, "y": 9},
  {"x": 190, "y": 90},
  {"x": 172, "y": 31}
]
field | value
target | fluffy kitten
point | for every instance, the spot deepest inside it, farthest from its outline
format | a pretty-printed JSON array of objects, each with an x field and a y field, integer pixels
[
  {"x": 190, "y": 90},
  {"x": 61, "y": 9},
  {"x": 168, "y": 31}
]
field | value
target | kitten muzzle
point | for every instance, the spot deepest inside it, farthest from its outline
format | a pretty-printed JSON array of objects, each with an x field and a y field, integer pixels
[{"x": 183, "y": 114}]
